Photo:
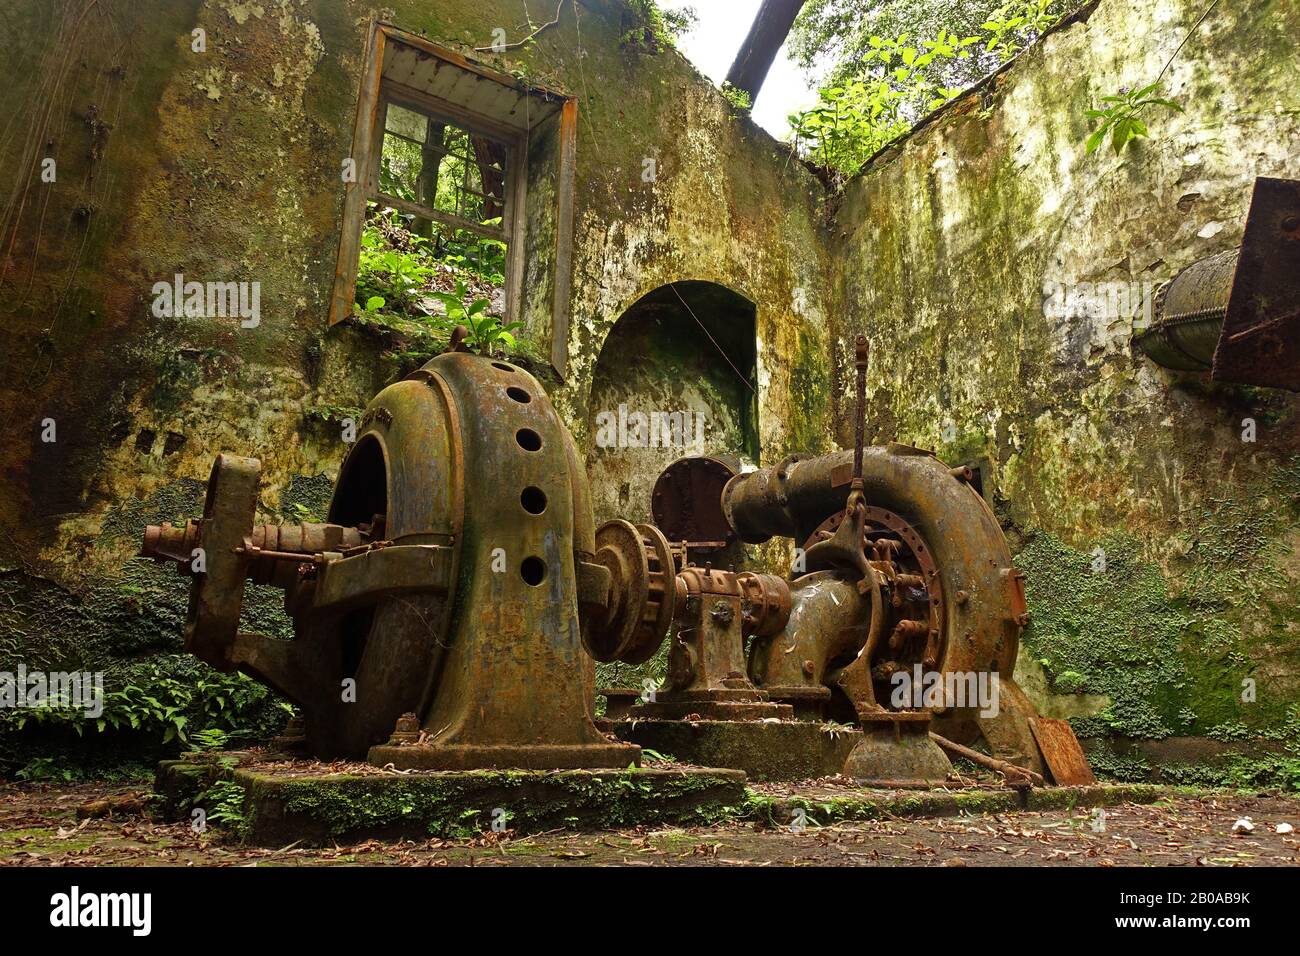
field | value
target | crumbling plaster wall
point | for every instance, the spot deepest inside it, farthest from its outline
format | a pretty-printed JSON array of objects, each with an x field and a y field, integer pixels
[
  {"x": 944, "y": 247},
  {"x": 225, "y": 165}
]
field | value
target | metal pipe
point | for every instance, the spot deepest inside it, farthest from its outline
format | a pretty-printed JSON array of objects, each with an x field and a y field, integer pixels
[{"x": 1190, "y": 319}]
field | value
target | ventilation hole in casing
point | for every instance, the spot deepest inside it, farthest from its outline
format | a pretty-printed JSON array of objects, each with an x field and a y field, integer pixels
[
  {"x": 534, "y": 500},
  {"x": 533, "y": 571}
]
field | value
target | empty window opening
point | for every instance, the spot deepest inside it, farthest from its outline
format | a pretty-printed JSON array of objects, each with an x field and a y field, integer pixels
[
  {"x": 446, "y": 185},
  {"x": 438, "y": 229}
]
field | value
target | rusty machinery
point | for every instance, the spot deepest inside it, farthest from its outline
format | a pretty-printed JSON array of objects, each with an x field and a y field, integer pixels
[
  {"x": 447, "y": 614},
  {"x": 904, "y": 565},
  {"x": 440, "y": 614},
  {"x": 1237, "y": 314}
]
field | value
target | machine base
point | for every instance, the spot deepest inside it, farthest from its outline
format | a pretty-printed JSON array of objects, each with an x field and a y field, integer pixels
[
  {"x": 286, "y": 802},
  {"x": 478, "y": 757},
  {"x": 765, "y": 750},
  {"x": 714, "y": 704},
  {"x": 896, "y": 750}
]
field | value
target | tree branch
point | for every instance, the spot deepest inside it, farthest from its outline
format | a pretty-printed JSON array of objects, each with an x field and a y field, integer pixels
[{"x": 532, "y": 36}]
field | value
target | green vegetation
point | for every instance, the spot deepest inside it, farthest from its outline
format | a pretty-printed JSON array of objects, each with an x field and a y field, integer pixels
[
  {"x": 1012, "y": 25},
  {"x": 1175, "y": 647},
  {"x": 856, "y": 118},
  {"x": 224, "y": 804},
  {"x": 882, "y": 86},
  {"x": 1120, "y": 114},
  {"x": 834, "y": 35},
  {"x": 739, "y": 99},
  {"x": 401, "y": 275},
  {"x": 656, "y": 30},
  {"x": 151, "y": 707},
  {"x": 1121, "y": 117}
]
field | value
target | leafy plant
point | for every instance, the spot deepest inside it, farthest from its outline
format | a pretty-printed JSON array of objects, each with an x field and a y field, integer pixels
[
  {"x": 834, "y": 35},
  {"x": 224, "y": 802},
  {"x": 1121, "y": 119},
  {"x": 213, "y": 738},
  {"x": 656, "y": 30},
  {"x": 486, "y": 331},
  {"x": 738, "y": 98},
  {"x": 1012, "y": 25},
  {"x": 401, "y": 275},
  {"x": 163, "y": 702},
  {"x": 889, "y": 84},
  {"x": 855, "y": 119},
  {"x": 46, "y": 769},
  {"x": 387, "y": 273},
  {"x": 483, "y": 256}
]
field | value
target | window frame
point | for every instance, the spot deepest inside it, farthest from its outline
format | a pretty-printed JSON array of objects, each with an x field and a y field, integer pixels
[{"x": 375, "y": 94}]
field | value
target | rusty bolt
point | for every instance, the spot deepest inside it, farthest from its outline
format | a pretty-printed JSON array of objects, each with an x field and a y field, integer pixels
[
  {"x": 408, "y": 723},
  {"x": 407, "y": 730},
  {"x": 808, "y": 668},
  {"x": 722, "y": 613}
]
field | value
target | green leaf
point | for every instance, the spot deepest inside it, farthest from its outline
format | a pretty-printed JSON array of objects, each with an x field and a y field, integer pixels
[{"x": 1119, "y": 135}]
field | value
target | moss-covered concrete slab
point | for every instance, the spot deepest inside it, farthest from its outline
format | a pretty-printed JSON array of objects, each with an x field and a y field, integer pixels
[
  {"x": 776, "y": 807},
  {"x": 275, "y": 804},
  {"x": 765, "y": 750}
]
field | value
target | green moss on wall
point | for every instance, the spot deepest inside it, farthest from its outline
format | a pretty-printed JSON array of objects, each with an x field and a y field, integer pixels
[
  {"x": 810, "y": 393},
  {"x": 1171, "y": 647}
]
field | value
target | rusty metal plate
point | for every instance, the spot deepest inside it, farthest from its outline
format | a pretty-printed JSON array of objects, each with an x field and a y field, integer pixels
[
  {"x": 1260, "y": 343},
  {"x": 1061, "y": 752},
  {"x": 687, "y": 502}
]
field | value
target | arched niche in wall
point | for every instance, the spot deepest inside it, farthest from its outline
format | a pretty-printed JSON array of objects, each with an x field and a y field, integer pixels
[{"x": 676, "y": 376}]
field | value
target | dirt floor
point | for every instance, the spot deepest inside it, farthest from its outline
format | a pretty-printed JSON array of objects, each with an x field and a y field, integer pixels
[{"x": 39, "y": 826}]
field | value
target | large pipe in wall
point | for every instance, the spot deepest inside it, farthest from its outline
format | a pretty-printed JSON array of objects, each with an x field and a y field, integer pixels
[
  {"x": 1237, "y": 314},
  {"x": 1190, "y": 319}
]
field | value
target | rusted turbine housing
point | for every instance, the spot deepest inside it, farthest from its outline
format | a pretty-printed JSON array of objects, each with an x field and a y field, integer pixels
[
  {"x": 983, "y": 601},
  {"x": 455, "y": 636},
  {"x": 477, "y": 457}
]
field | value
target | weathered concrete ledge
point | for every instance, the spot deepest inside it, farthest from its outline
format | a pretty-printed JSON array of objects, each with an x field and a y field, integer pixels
[
  {"x": 765, "y": 750},
  {"x": 777, "y": 809},
  {"x": 282, "y": 805},
  {"x": 273, "y": 803}
]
